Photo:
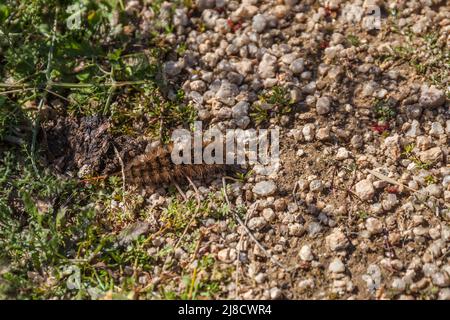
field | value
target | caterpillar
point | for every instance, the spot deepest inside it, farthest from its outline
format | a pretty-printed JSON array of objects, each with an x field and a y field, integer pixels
[{"x": 155, "y": 168}]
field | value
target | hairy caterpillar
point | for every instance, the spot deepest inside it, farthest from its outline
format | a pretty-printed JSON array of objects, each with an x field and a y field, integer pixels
[{"x": 155, "y": 168}]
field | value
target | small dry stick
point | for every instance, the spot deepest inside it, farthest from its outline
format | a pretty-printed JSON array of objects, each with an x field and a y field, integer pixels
[
  {"x": 179, "y": 190},
  {"x": 241, "y": 239},
  {"x": 387, "y": 179},
  {"x": 260, "y": 246},
  {"x": 278, "y": 263},
  {"x": 122, "y": 168},
  {"x": 294, "y": 195}
]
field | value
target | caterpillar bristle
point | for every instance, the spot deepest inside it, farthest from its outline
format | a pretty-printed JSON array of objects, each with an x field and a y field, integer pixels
[{"x": 155, "y": 168}]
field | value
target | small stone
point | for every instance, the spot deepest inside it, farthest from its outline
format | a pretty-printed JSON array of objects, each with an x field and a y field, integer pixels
[
  {"x": 266, "y": 68},
  {"x": 316, "y": 186},
  {"x": 398, "y": 285},
  {"x": 434, "y": 190},
  {"x": 323, "y": 105},
  {"x": 314, "y": 228},
  {"x": 414, "y": 130},
  {"x": 436, "y": 129},
  {"x": 337, "y": 240},
  {"x": 308, "y": 132},
  {"x": 259, "y": 23},
  {"x": 179, "y": 253},
  {"x": 280, "y": 11},
  {"x": 243, "y": 122},
  {"x": 306, "y": 284},
  {"x": 296, "y": 95},
  {"x": 431, "y": 155},
  {"x": 297, "y": 66},
  {"x": 198, "y": 85},
  {"x": 260, "y": 278},
  {"x": 429, "y": 269},
  {"x": 290, "y": 3},
  {"x": 306, "y": 253},
  {"x": 390, "y": 201},
  {"x": 227, "y": 93},
  {"x": 269, "y": 214},
  {"x": 423, "y": 142},
  {"x": 227, "y": 255},
  {"x": 440, "y": 279},
  {"x": 310, "y": 88},
  {"x": 342, "y": 154},
  {"x": 357, "y": 141},
  {"x": 376, "y": 208},
  {"x": 446, "y": 181},
  {"x": 257, "y": 223},
  {"x": 372, "y": 278},
  {"x": 323, "y": 134},
  {"x": 85, "y": 171},
  {"x": 205, "y": 4},
  {"x": 332, "y": 52},
  {"x": 300, "y": 152},
  {"x": 296, "y": 230},
  {"x": 240, "y": 110},
  {"x": 275, "y": 293},
  {"x": 264, "y": 188},
  {"x": 336, "y": 266},
  {"x": 224, "y": 113},
  {"x": 369, "y": 88},
  {"x": 287, "y": 59},
  {"x": 431, "y": 97},
  {"x": 374, "y": 226},
  {"x": 172, "y": 68},
  {"x": 444, "y": 294},
  {"x": 279, "y": 205},
  {"x": 414, "y": 111},
  {"x": 364, "y": 189}
]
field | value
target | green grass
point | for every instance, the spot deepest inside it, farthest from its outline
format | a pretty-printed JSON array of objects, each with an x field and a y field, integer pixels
[
  {"x": 428, "y": 55},
  {"x": 97, "y": 69},
  {"x": 353, "y": 40},
  {"x": 384, "y": 110},
  {"x": 408, "y": 153},
  {"x": 60, "y": 238},
  {"x": 271, "y": 104},
  {"x": 56, "y": 240}
]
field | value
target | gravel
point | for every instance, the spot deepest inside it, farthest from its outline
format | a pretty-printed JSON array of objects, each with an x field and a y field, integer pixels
[
  {"x": 336, "y": 266},
  {"x": 374, "y": 226},
  {"x": 306, "y": 253},
  {"x": 355, "y": 104},
  {"x": 259, "y": 23},
  {"x": 323, "y": 105},
  {"x": 431, "y": 97},
  {"x": 337, "y": 240},
  {"x": 364, "y": 189},
  {"x": 264, "y": 188}
]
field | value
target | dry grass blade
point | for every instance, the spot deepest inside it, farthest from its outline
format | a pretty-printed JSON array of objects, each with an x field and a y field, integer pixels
[
  {"x": 387, "y": 179},
  {"x": 250, "y": 234}
]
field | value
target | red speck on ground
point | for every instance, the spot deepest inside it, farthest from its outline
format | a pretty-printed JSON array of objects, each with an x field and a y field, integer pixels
[
  {"x": 380, "y": 128},
  {"x": 392, "y": 189},
  {"x": 234, "y": 26},
  {"x": 324, "y": 44}
]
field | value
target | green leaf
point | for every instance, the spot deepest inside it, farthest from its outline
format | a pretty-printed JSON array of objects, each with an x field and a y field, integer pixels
[
  {"x": 83, "y": 76},
  {"x": 4, "y": 13},
  {"x": 115, "y": 55},
  {"x": 44, "y": 29},
  {"x": 2, "y": 101}
]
